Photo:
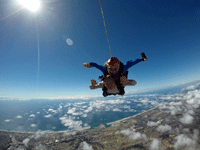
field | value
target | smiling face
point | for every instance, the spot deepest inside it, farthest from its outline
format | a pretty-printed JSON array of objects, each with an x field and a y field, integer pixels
[
  {"x": 113, "y": 65},
  {"x": 113, "y": 69}
]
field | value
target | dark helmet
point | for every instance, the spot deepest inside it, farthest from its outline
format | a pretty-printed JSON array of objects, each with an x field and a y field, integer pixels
[{"x": 113, "y": 60}]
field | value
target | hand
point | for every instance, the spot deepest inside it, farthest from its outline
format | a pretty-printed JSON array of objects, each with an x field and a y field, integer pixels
[
  {"x": 87, "y": 65},
  {"x": 109, "y": 83},
  {"x": 93, "y": 83}
]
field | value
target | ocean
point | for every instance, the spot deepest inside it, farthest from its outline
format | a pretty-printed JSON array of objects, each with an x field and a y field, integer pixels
[{"x": 60, "y": 115}]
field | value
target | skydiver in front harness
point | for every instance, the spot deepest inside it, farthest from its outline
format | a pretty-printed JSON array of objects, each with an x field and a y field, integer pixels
[{"x": 114, "y": 76}]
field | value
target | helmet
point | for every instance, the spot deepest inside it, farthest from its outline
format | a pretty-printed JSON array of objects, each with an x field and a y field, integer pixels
[{"x": 113, "y": 60}]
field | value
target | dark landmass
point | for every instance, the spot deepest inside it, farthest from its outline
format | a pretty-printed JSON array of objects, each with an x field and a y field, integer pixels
[{"x": 132, "y": 133}]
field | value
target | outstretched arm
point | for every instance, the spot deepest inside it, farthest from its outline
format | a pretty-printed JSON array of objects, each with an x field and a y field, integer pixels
[
  {"x": 134, "y": 62},
  {"x": 92, "y": 64},
  {"x": 95, "y": 85},
  {"x": 130, "y": 64}
]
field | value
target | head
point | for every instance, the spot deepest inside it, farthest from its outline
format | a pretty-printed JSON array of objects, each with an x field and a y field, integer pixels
[{"x": 113, "y": 65}]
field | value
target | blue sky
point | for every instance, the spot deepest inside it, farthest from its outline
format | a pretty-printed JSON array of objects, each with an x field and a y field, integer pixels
[{"x": 36, "y": 61}]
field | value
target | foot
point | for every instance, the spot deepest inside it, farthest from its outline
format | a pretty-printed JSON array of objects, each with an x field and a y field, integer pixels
[
  {"x": 87, "y": 65},
  {"x": 105, "y": 94},
  {"x": 121, "y": 91},
  {"x": 144, "y": 58}
]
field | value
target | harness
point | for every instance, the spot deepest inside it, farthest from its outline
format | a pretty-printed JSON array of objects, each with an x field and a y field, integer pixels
[{"x": 117, "y": 76}]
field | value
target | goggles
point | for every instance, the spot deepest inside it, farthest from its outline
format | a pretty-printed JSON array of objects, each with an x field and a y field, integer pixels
[{"x": 112, "y": 69}]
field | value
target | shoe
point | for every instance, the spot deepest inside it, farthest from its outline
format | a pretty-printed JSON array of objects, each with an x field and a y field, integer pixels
[
  {"x": 121, "y": 91},
  {"x": 105, "y": 94},
  {"x": 144, "y": 58}
]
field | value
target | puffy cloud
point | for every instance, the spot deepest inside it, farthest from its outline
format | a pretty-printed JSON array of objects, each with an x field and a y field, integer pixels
[
  {"x": 155, "y": 144},
  {"x": 88, "y": 109},
  {"x": 33, "y": 125},
  {"x": 138, "y": 136},
  {"x": 39, "y": 134},
  {"x": 191, "y": 88},
  {"x": 60, "y": 108},
  {"x": 151, "y": 124},
  {"x": 53, "y": 111},
  {"x": 70, "y": 123},
  {"x": 71, "y": 111},
  {"x": 134, "y": 135},
  {"x": 48, "y": 116},
  {"x": 18, "y": 117},
  {"x": 67, "y": 133},
  {"x": 164, "y": 128},
  {"x": 8, "y": 120},
  {"x": 32, "y": 115},
  {"x": 196, "y": 135},
  {"x": 26, "y": 141},
  {"x": 117, "y": 109},
  {"x": 77, "y": 113},
  {"x": 186, "y": 130},
  {"x": 84, "y": 115},
  {"x": 187, "y": 119},
  {"x": 86, "y": 146},
  {"x": 183, "y": 141},
  {"x": 126, "y": 131}
]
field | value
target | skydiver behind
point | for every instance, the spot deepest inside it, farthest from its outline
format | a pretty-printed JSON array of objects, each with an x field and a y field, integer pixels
[{"x": 116, "y": 69}]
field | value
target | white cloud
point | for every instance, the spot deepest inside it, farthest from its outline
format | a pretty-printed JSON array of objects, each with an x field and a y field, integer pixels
[
  {"x": 67, "y": 133},
  {"x": 48, "y": 116},
  {"x": 84, "y": 115},
  {"x": 60, "y": 108},
  {"x": 88, "y": 109},
  {"x": 186, "y": 130},
  {"x": 196, "y": 135},
  {"x": 32, "y": 115},
  {"x": 71, "y": 111},
  {"x": 134, "y": 135},
  {"x": 18, "y": 117},
  {"x": 53, "y": 111},
  {"x": 183, "y": 141},
  {"x": 191, "y": 88},
  {"x": 26, "y": 141},
  {"x": 126, "y": 131},
  {"x": 39, "y": 134},
  {"x": 33, "y": 125},
  {"x": 41, "y": 147},
  {"x": 164, "y": 128},
  {"x": 151, "y": 124},
  {"x": 176, "y": 103},
  {"x": 86, "y": 146},
  {"x": 77, "y": 113},
  {"x": 8, "y": 120},
  {"x": 187, "y": 119},
  {"x": 70, "y": 123},
  {"x": 117, "y": 109},
  {"x": 38, "y": 113},
  {"x": 138, "y": 136},
  {"x": 155, "y": 144},
  {"x": 84, "y": 106}
]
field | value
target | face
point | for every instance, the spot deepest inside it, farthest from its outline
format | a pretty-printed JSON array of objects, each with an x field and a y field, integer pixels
[{"x": 113, "y": 69}]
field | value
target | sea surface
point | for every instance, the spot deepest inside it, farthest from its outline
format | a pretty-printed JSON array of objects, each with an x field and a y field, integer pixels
[{"x": 60, "y": 115}]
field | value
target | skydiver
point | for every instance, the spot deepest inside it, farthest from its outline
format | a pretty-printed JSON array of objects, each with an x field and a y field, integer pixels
[
  {"x": 109, "y": 83},
  {"x": 115, "y": 69}
]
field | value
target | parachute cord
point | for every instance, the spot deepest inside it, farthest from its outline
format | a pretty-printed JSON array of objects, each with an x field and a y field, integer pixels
[{"x": 105, "y": 27}]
